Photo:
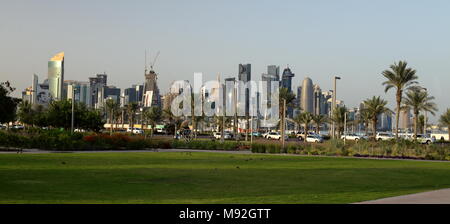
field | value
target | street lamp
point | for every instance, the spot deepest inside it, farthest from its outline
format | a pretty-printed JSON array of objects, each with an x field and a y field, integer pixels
[
  {"x": 73, "y": 108},
  {"x": 333, "y": 130},
  {"x": 425, "y": 116}
]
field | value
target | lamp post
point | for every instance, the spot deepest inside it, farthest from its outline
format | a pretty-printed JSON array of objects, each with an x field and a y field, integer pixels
[
  {"x": 73, "y": 109},
  {"x": 425, "y": 117},
  {"x": 333, "y": 130}
]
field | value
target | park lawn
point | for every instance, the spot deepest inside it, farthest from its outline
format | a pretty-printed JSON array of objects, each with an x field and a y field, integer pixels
[{"x": 175, "y": 177}]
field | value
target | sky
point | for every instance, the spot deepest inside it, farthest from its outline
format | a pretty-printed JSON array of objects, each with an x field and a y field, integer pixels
[{"x": 354, "y": 39}]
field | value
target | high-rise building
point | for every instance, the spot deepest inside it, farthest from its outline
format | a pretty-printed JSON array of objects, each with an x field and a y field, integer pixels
[
  {"x": 96, "y": 84},
  {"x": 151, "y": 90},
  {"x": 405, "y": 120},
  {"x": 307, "y": 97},
  {"x": 39, "y": 92},
  {"x": 108, "y": 92},
  {"x": 79, "y": 90},
  {"x": 245, "y": 75},
  {"x": 56, "y": 76},
  {"x": 318, "y": 100},
  {"x": 273, "y": 75},
  {"x": 286, "y": 79}
]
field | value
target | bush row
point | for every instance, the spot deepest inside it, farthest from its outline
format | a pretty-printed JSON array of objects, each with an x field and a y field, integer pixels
[
  {"x": 387, "y": 149},
  {"x": 63, "y": 140}
]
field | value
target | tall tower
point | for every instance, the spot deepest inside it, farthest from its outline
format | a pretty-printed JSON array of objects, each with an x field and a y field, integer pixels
[
  {"x": 56, "y": 76},
  {"x": 307, "y": 101},
  {"x": 286, "y": 79},
  {"x": 245, "y": 75},
  {"x": 151, "y": 90}
]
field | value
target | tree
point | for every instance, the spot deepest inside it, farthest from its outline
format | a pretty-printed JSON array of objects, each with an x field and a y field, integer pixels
[
  {"x": 364, "y": 118},
  {"x": 153, "y": 115},
  {"x": 111, "y": 106},
  {"x": 8, "y": 103},
  {"x": 445, "y": 120},
  {"x": 421, "y": 124},
  {"x": 92, "y": 120},
  {"x": 131, "y": 111},
  {"x": 338, "y": 117},
  {"x": 59, "y": 114},
  {"x": 401, "y": 78},
  {"x": 26, "y": 113},
  {"x": 304, "y": 118},
  {"x": 375, "y": 107},
  {"x": 319, "y": 120},
  {"x": 417, "y": 101},
  {"x": 285, "y": 96}
]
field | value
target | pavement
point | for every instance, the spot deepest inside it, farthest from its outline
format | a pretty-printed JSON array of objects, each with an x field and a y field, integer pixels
[{"x": 431, "y": 197}]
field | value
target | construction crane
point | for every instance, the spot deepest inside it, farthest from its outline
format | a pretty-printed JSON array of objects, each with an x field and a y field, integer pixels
[{"x": 154, "y": 61}]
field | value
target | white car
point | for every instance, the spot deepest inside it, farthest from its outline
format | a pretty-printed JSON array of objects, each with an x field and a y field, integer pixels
[
  {"x": 136, "y": 131},
  {"x": 425, "y": 139},
  {"x": 384, "y": 136},
  {"x": 353, "y": 137},
  {"x": 314, "y": 138},
  {"x": 226, "y": 135},
  {"x": 275, "y": 135}
]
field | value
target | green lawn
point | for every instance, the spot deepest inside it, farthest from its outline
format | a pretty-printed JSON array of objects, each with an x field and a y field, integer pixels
[{"x": 209, "y": 178}]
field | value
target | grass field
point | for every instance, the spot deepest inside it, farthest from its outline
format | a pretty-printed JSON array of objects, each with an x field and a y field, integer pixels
[{"x": 175, "y": 177}]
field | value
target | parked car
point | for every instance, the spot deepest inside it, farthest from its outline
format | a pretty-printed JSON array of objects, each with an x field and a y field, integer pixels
[
  {"x": 18, "y": 127},
  {"x": 353, "y": 137},
  {"x": 256, "y": 134},
  {"x": 425, "y": 139},
  {"x": 136, "y": 131},
  {"x": 381, "y": 136},
  {"x": 226, "y": 135},
  {"x": 275, "y": 135},
  {"x": 314, "y": 139}
]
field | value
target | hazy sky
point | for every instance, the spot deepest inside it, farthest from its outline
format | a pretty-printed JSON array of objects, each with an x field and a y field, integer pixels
[{"x": 356, "y": 40}]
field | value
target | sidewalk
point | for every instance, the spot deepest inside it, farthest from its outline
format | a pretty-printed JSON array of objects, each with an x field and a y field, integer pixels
[{"x": 431, "y": 197}]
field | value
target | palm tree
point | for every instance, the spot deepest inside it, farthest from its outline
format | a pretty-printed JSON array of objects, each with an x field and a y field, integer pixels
[
  {"x": 304, "y": 118},
  {"x": 319, "y": 120},
  {"x": 131, "y": 110},
  {"x": 375, "y": 107},
  {"x": 421, "y": 124},
  {"x": 364, "y": 118},
  {"x": 401, "y": 78},
  {"x": 111, "y": 107},
  {"x": 338, "y": 117},
  {"x": 284, "y": 96},
  {"x": 445, "y": 120},
  {"x": 417, "y": 101},
  {"x": 154, "y": 115}
]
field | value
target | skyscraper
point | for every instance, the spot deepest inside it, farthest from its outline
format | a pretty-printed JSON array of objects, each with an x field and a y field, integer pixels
[
  {"x": 273, "y": 75},
  {"x": 307, "y": 101},
  {"x": 56, "y": 76},
  {"x": 151, "y": 90},
  {"x": 245, "y": 75},
  {"x": 318, "y": 99},
  {"x": 96, "y": 84},
  {"x": 286, "y": 79}
]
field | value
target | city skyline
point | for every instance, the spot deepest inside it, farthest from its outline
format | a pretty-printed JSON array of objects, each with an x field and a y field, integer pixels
[{"x": 314, "y": 46}]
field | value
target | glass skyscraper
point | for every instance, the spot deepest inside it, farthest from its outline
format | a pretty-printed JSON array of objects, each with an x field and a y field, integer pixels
[{"x": 56, "y": 76}]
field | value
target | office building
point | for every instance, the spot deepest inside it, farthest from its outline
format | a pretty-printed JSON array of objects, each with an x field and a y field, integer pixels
[
  {"x": 307, "y": 97},
  {"x": 56, "y": 76}
]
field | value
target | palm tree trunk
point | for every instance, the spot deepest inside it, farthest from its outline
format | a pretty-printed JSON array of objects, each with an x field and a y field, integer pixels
[
  {"x": 374, "y": 128},
  {"x": 317, "y": 128},
  {"x": 306, "y": 132},
  {"x": 397, "y": 120},
  {"x": 110, "y": 122},
  {"x": 416, "y": 120}
]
